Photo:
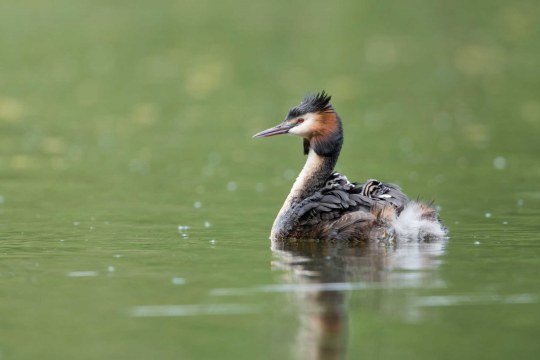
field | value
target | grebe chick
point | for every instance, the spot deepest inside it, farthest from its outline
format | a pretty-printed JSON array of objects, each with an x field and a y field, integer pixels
[{"x": 323, "y": 204}]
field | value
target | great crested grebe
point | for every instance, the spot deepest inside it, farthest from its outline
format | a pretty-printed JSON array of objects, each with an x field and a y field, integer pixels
[{"x": 323, "y": 204}]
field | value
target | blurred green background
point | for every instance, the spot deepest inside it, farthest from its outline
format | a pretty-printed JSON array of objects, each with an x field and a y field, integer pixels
[{"x": 122, "y": 120}]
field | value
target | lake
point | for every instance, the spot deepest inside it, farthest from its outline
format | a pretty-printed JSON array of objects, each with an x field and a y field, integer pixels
[{"x": 135, "y": 208}]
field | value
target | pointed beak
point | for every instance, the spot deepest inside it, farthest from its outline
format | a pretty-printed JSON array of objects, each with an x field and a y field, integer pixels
[{"x": 276, "y": 130}]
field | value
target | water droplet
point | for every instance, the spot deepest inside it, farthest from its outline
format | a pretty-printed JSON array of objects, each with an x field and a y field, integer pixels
[
  {"x": 178, "y": 281},
  {"x": 487, "y": 215},
  {"x": 213, "y": 242},
  {"x": 111, "y": 269},
  {"x": 76, "y": 223},
  {"x": 197, "y": 205},
  {"x": 499, "y": 163},
  {"x": 184, "y": 236},
  {"x": 117, "y": 256},
  {"x": 505, "y": 222},
  {"x": 183, "y": 228},
  {"x": 207, "y": 224},
  {"x": 232, "y": 186},
  {"x": 477, "y": 243}
]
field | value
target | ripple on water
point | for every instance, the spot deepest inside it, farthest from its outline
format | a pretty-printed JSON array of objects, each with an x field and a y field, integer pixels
[
  {"x": 459, "y": 300},
  {"x": 317, "y": 287},
  {"x": 191, "y": 310},
  {"x": 82, "y": 273}
]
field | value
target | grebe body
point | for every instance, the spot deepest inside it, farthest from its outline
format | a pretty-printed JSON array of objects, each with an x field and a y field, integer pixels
[{"x": 324, "y": 204}]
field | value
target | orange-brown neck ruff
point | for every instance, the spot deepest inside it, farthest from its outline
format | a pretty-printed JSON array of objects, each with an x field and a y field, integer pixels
[{"x": 327, "y": 135}]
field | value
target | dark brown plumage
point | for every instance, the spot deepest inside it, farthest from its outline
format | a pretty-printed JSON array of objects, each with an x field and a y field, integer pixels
[{"x": 325, "y": 205}]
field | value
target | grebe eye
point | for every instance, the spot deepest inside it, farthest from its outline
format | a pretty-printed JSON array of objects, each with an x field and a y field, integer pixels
[{"x": 299, "y": 121}]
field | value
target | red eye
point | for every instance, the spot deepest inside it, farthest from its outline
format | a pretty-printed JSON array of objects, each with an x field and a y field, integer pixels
[{"x": 299, "y": 121}]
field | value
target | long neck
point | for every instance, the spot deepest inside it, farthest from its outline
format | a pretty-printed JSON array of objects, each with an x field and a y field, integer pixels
[{"x": 313, "y": 176}]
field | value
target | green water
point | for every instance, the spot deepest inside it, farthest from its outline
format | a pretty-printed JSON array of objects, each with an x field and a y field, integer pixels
[{"x": 135, "y": 208}]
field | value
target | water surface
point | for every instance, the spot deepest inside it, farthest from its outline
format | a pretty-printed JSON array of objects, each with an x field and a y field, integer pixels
[{"x": 135, "y": 208}]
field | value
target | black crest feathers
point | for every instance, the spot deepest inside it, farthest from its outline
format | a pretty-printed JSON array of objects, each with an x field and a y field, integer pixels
[{"x": 311, "y": 103}]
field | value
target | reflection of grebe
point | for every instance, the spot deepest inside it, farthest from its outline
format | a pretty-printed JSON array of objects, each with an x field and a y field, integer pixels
[
  {"x": 325, "y": 205},
  {"x": 326, "y": 275}
]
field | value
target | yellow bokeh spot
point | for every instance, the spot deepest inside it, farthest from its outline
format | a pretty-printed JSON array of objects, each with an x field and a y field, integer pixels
[
  {"x": 479, "y": 60},
  {"x": 145, "y": 114},
  {"x": 22, "y": 162},
  {"x": 477, "y": 134},
  {"x": 204, "y": 78},
  {"x": 530, "y": 111},
  {"x": 11, "y": 109},
  {"x": 518, "y": 23},
  {"x": 53, "y": 145}
]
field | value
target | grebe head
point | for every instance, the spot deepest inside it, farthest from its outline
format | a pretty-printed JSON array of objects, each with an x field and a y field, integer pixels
[{"x": 315, "y": 120}]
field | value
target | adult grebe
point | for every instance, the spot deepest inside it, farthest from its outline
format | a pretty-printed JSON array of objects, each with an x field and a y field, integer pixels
[{"x": 323, "y": 204}]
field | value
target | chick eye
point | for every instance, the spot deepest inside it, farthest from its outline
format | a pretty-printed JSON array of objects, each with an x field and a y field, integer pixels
[{"x": 299, "y": 121}]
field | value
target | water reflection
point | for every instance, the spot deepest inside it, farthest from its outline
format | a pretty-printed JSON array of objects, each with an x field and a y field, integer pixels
[{"x": 322, "y": 272}]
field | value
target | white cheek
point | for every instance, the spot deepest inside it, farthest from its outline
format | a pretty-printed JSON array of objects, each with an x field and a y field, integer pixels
[
  {"x": 304, "y": 129},
  {"x": 300, "y": 130}
]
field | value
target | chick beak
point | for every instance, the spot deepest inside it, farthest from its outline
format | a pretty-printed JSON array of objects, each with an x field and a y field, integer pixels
[{"x": 276, "y": 130}]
